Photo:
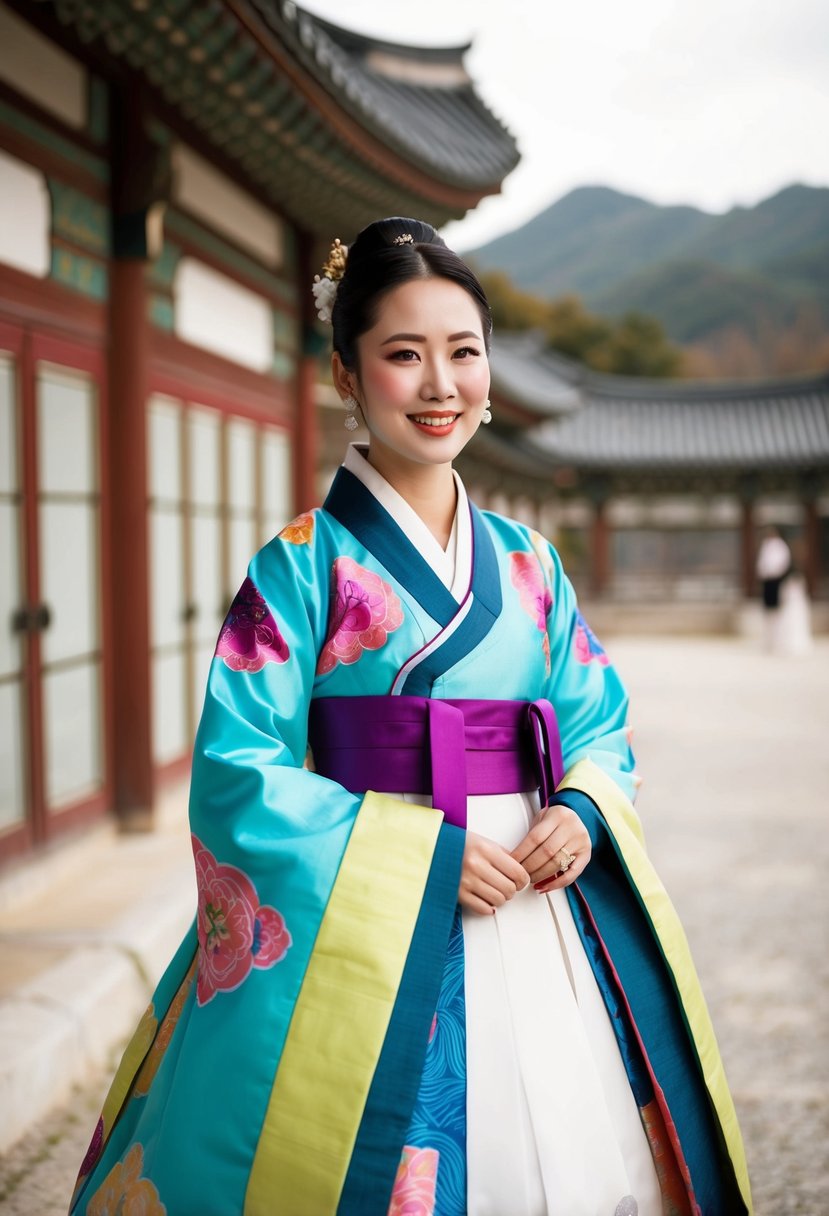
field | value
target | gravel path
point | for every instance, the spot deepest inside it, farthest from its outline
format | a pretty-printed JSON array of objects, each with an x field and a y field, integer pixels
[{"x": 732, "y": 746}]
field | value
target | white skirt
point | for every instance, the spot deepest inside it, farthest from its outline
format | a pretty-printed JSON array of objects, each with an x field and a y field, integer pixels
[{"x": 552, "y": 1124}]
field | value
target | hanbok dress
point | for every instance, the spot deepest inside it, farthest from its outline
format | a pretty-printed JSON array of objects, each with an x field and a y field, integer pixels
[{"x": 334, "y": 1035}]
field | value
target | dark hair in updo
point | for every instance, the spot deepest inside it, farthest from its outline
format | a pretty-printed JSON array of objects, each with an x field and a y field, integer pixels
[{"x": 377, "y": 265}]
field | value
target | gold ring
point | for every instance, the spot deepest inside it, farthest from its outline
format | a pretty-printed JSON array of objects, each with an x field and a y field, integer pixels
[{"x": 564, "y": 860}]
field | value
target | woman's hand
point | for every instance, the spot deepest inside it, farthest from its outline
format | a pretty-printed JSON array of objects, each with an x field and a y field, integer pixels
[
  {"x": 489, "y": 875},
  {"x": 556, "y": 831}
]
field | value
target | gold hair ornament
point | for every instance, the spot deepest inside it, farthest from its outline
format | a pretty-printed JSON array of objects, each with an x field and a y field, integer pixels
[
  {"x": 325, "y": 285},
  {"x": 405, "y": 238}
]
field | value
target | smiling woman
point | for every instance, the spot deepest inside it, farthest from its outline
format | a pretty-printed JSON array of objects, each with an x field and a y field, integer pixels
[{"x": 434, "y": 973}]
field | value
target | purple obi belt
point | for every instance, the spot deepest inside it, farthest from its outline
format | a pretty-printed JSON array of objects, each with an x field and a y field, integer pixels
[{"x": 449, "y": 749}]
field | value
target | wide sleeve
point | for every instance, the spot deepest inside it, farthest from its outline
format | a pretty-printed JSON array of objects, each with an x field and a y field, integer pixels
[
  {"x": 259, "y": 818},
  {"x": 251, "y": 798},
  {"x": 308, "y": 895}
]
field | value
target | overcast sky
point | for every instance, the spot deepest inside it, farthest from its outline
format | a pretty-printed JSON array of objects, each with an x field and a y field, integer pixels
[{"x": 709, "y": 102}]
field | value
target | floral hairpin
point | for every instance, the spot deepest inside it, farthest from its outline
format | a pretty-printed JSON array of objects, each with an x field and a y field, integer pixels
[
  {"x": 405, "y": 238},
  {"x": 325, "y": 285}
]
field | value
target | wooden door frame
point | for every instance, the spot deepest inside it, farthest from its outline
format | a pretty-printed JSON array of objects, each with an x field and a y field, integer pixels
[{"x": 30, "y": 345}]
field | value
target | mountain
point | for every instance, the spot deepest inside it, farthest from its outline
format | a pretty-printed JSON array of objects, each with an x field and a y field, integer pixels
[{"x": 697, "y": 273}]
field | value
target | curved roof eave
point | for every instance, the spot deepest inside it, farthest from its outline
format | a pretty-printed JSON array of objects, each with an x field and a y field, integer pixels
[
  {"x": 233, "y": 77},
  {"x": 469, "y": 149}
]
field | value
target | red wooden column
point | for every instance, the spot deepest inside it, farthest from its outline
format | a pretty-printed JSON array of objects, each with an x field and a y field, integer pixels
[
  {"x": 140, "y": 183},
  {"x": 600, "y": 567},
  {"x": 129, "y": 558},
  {"x": 748, "y": 547},
  {"x": 306, "y": 428},
  {"x": 812, "y": 570}
]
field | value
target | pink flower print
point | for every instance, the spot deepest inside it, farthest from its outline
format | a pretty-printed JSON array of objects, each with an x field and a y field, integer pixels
[
  {"x": 235, "y": 933},
  {"x": 250, "y": 636},
  {"x": 587, "y": 646},
  {"x": 415, "y": 1184},
  {"x": 528, "y": 579},
  {"x": 300, "y": 531},
  {"x": 364, "y": 611}
]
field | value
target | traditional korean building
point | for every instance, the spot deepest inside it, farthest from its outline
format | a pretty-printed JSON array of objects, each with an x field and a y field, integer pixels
[
  {"x": 171, "y": 173},
  {"x": 656, "y": 490}
]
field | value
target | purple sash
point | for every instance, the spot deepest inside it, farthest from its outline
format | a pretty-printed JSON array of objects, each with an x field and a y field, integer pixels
[{"x": 449, "y": 749}]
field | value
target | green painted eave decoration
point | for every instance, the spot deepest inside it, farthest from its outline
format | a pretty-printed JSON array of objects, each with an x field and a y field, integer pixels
[
  {"x": 78, "y": 219},
  {"x": 95, "y": 166},
  {"x": 161, "y": 313},
  {"x": 285, "y": 331},
  {"x": 81, "y": 274},
  {"x": 162, "y": 271},
  {"x": 283, "y": 366}
]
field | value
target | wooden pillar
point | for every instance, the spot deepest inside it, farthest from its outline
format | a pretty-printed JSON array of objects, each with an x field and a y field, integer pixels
[
  {"x": 600, "y": 565},
  {"x": 129, "y": 560},
  {"x": 305, "y": 447},
  {"x": 141, "y": 182},
  {"x": 812, "y": 563},
  {"x": 748, "y": 547}
]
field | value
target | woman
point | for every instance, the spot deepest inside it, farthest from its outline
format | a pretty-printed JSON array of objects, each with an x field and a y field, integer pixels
[{"x": 463, "y": 990}]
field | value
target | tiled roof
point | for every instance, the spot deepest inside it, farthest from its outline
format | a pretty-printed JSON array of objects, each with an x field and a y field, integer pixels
[
  {"x": 541, "y": 381},
  {"x": 418, "y": 100},
  {"x": 757, "y": 426},
  {"x": 625, "y": 423},
  {"x": 333, "y": 128}
]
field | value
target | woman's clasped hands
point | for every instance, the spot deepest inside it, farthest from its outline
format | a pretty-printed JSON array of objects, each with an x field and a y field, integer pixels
[{"x": 552, "y": 855}]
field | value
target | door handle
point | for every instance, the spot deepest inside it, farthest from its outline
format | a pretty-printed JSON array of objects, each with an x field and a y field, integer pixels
[
  {"x": 32, "y": 618},
  {"x": 41, "y": 617},
  {"x": 20, "y": 620}
]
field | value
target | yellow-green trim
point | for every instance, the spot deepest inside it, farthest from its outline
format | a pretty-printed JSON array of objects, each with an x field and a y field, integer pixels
[
  {"x": 343, "y": 1011},
  {"x": 626, "y": 827}
]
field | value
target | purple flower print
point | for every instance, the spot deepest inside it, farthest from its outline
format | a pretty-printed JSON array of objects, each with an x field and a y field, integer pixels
[{"x": 250, "y": 636}]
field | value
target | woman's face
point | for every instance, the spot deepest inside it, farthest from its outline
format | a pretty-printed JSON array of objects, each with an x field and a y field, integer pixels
[{"x": 424, "y": 374}]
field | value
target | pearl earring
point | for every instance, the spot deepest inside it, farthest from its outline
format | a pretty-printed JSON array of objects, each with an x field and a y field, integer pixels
[
  {"x": 486, "y": 416},
  {"x": 351, "y": 404}
]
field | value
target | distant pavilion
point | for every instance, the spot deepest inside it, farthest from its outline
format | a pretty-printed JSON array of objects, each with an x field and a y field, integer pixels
[{"x": 653, "y": 488}]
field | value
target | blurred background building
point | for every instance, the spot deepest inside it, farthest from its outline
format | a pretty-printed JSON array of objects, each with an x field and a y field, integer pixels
[{"x": 172, "y": 175}]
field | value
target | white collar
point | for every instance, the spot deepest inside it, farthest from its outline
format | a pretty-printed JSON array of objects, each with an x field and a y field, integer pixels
[{"x": 453, "y": 564}]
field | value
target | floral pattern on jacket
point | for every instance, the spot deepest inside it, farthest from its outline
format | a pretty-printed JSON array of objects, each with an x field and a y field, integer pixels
[
  {"x": 299, "y": 531},
  {"x": 250, "y": 637},
  {"x": 528, "y": 579},
  {"x": 235, "y": 932},
  {"x": 587, "y": 646},
  {"x": 124, "y": 1192},
  {"x": 364, "y": 611},
  {"x": 415, "y": 1184}
]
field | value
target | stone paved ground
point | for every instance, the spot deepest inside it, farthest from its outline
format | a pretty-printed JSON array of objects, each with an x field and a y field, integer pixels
[{"x": 733, "y": 748}]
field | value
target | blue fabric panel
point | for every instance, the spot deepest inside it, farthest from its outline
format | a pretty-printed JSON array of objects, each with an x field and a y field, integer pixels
[
  {"x": 656, "y": 1010},
  {"x": 485, "y": 610},
  {"x": 439, "y": 1116},
  {"x": 356, "y": 508},
  {"x": 371, "y": 1172}
]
